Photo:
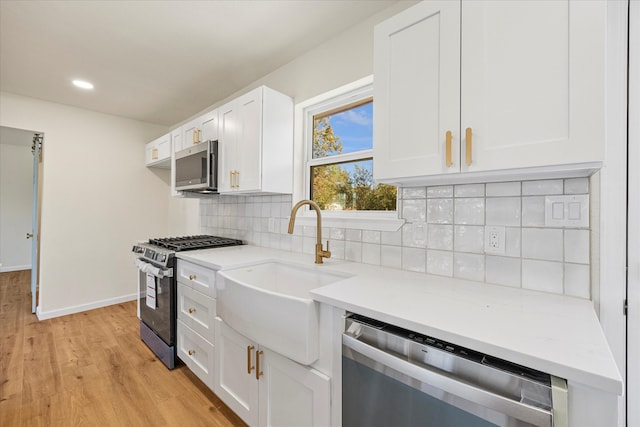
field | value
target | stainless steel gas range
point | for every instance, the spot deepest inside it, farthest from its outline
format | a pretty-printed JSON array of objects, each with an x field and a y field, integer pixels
[{"x": 157, "y": 297}]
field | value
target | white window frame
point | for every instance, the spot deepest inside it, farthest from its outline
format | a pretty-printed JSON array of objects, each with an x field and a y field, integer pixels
[{"x": 342, "y": 96}]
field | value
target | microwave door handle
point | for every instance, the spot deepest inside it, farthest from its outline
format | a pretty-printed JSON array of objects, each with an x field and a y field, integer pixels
[{"x": 451, "y": 385}]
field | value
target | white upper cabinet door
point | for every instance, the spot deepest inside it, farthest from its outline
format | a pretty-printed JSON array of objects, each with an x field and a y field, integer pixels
[
  {"x": 176, "y": 139},
  {"x": 248, "y": 159},
  {"x": 417, "y": 91},
  {"x": 209, "y": 126},
  {"x": 227, "y": 145},
  {"x": 158, "y": 152},
  {"x": 532, "y": 83}
]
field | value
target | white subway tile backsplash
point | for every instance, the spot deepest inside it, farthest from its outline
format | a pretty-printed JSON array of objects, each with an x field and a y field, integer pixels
[
  {"x": 469, "y": 211},
  {"x": 391, "y": 256},
  {"x": 468, "y": 266},
  {"x": 503, "y": 271},
  {"x": 503, "y": 211},
  {"x": 469, "y": 190},
  {"x": 413, "y": 259},
  {"x": 370, "y": 236},
  {"x": 576, "y": 186},
  {"x": 469, "y": 238},
  {"x": 576, "y": 246},
  {"x": 501, "y": 189},
  {"x": 546, "y": 187},
  {"x": 443, "y": 233},
  {"x": 371, "y": 253},
  {"x": 414, "y": 210},
  {"x": 439, "y": 211},
  {"x": 353, "y": 235},
  {"x": 353, "y": 251},
  {"x": 415, "y": 235},
  {"x": 440, "y": 263},
  {"x": 576, "y": 280},
  {"x": 440, "y": 236},
  {"x": 440, "y": 191},
  {"x": 414, "y": 193},
  {"x": 542, "y": 243},
  {"x": 542, "y": 276},
  {"x": 533, "y": 211}
]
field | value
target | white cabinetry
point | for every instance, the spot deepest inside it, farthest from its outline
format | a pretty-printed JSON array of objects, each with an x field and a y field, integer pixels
[
  {"x": 256, "y": 143},
  {"x": 203, "y": 128},
  {"x": 266, "y": 389},
  {"x": 158, "y": 152},
  {"x": 196, "y": 319},
  {"x": 479, "y": 89}
]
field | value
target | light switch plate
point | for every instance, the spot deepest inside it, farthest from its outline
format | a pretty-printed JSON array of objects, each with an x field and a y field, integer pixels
[{"x": 566, "y": 211}]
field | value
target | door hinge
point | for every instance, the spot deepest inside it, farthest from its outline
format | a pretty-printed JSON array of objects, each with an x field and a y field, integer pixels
[{"x": 625, "y": 307}]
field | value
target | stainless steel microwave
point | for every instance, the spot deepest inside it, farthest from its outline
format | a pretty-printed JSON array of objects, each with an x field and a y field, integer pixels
[{"x": 197, "y": 168}]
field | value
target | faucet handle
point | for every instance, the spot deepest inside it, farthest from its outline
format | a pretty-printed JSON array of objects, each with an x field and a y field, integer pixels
[{"x": 327, "y": 253}]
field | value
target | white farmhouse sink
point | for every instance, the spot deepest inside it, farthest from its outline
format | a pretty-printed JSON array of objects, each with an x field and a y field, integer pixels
[{"x": 270, "y": 303}]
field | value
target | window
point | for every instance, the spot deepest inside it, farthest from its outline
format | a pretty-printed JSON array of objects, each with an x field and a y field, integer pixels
[{"x": 339, "y": 146}]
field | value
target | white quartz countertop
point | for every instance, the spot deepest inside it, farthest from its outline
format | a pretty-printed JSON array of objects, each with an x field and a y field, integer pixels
[{"x": 556, "y": 334}]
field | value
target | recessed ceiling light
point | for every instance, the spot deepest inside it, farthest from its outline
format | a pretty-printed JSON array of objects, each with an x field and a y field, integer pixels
[{"x": 82, "y": 84}]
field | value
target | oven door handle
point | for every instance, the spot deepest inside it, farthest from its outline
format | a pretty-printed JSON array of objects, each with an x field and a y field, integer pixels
[
  {"x": 455, "y": 386},
  {"x": 149, "y": 268}
]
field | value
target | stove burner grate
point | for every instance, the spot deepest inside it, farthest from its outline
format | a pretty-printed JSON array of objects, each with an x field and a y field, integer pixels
[{"x": 194, "y": 242}]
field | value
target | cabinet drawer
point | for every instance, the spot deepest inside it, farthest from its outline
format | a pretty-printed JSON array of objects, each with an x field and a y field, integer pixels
[
  {"x": 196, "y": 352},
  {"x": 197, "y": 311},
  {"x": 199, "y": 278}
]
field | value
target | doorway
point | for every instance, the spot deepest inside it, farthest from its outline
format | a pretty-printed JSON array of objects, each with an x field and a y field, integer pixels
[{"x": 20, "y": 184}]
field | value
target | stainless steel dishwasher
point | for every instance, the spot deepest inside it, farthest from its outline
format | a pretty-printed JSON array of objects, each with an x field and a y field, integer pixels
[{"x": 395, "y": 377}]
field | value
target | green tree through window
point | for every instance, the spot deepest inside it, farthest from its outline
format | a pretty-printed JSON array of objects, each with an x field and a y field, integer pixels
[{"x": 341, "y": 183}]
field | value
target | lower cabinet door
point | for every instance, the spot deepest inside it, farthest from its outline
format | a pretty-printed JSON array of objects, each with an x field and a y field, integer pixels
[
  {"x": 197, "y": 353},
  {"x": 291, "y": 394},
  {"x": 235, "y": 367}
]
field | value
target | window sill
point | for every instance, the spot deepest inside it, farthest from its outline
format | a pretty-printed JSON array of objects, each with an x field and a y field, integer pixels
[{"x": 375, "y": 224}]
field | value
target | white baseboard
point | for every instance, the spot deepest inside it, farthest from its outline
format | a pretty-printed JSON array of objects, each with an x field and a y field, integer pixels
[
  {"x": 15, "y": 268},
  {"x": 84, "y": 307}
]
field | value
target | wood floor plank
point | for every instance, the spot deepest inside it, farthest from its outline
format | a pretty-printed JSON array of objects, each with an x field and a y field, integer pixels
[{"x": 91, "y": 369}]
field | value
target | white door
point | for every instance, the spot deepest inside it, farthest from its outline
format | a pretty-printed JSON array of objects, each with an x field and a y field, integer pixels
[
  {"x": 235, "y": 381},
  {"x": 532, "y": 89},
  {"x": 209, "y": 126},
  {"x": 249, "y": 155},
  {"x": 38, "y": 139},
  {"x": 417, "y": 91},
  {"x": 292, "y": 394}
]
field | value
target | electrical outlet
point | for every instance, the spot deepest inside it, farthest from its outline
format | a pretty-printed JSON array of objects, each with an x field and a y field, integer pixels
[{"x": 494, "y": 239}]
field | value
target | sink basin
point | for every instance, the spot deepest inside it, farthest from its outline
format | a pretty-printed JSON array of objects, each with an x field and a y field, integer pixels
[{"x": 270, "y": 303}]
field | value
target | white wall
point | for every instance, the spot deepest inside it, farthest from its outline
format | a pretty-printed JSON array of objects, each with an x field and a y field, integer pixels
[
  {"x": 98, "y": 198},
  {"x": 16, "y": 189}
]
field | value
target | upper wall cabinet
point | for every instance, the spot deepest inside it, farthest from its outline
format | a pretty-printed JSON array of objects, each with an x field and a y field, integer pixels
[
  {"x": 203, "y": 128},
  {"x": 478, "y": 90},
  {"x": 255, "y": 147},
  {"x": 158, "y": 152}
]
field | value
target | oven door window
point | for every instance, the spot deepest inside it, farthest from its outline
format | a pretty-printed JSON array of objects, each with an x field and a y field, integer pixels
[{"x": 158, "y": 318}]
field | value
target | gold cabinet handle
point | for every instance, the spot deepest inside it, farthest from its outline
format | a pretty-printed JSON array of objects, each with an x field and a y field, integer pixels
[
  {"x": 154, "y": 154},
  {"x": 196, "y": 136},
  {"x": 448, "y": 137},
  {"x": 192, "y": 310},
  {"x": 469, "y": 145},
  {"x": 192, "y": 352},
  {"x": 258, "y": 371},
  {"x": 249, "y": 367},
  {"x": 192, "y": 277}
]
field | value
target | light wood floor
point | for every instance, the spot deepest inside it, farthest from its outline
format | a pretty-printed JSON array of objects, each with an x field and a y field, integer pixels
[{"x": 91, "y": 369}]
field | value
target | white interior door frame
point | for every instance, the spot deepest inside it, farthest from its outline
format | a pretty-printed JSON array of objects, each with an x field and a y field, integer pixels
[{"x": 633, "y": 216}]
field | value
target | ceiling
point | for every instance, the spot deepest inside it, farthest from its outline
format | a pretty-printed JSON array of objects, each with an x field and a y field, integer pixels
[{"x": 159, "y": 61}]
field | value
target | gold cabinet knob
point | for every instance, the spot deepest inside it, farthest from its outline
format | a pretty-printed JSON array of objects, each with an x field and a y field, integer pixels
[
  {"x": 192, "y": 310},
  {"x": 192, "y": 352},
  {"x": 192, "y": 277}
]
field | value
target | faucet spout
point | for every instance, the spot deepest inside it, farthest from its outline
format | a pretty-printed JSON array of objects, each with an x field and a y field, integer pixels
[{"x": 320, "y": 252}]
